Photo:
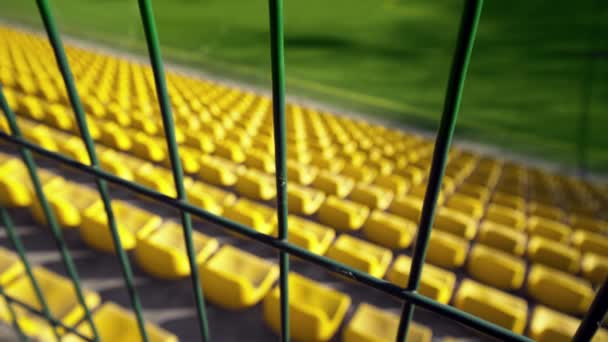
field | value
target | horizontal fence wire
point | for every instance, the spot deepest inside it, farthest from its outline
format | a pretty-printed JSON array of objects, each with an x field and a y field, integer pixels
[
  {"x": 156, "y": 61},
  {"x": 462, "y": 55},
  {"x": 68, "y": 78}
]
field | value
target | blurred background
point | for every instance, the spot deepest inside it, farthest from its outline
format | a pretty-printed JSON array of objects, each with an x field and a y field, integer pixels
[{"x": 537, "y": 86}]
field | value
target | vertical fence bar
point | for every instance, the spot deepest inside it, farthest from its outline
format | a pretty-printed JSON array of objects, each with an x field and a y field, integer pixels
[
  {"x": 13, "y": 315},
  {"x": 277, "y": 52},
  {"x": 16, "y": 242},
  {"x": 48, "y": 213},
  {"x": 64, "y": 67},
  {"x": 147, "y": 16},
  {"x": 460, "y": 63},
  {"x": 598, "y": 312}
]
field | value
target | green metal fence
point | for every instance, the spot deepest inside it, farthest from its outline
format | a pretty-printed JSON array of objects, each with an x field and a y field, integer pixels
[{"x": 409, "y": 295}]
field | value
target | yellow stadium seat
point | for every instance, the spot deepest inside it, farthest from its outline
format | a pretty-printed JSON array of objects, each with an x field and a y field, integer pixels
[
  {"x": 588, "y": 242},
  {"x": 117, "y": 324},
  {"x": 74, "y": 148},
  {"x": 254, "y": 215},
  {"x": 589, "y": 224},
  {"x": 408, "y": 207},
  {"x": 466, "y": 204},
  {"x": 503, "y": 238},
  {"x": 310, "y": 235},
  {"x": 41, "y": 136},
  {"x": 114, "y": 136},
  {"x": 260, "y": 160},
  {"x": 328, "y": 164},
  {"x": 113, "y": 162},
  {"x": 478, "y": 192},
  {"x": 372, "y": 196},
  {"x": 60, "y": 117},
  {"x": 68, "y": 201},
  {"x": 419, "y": 191},
  {"x": 389, "y": 230},
  {"x": 219, "y": 171},
  {"x": 506, "y": 216},
  {"x": 509, "y": 201},
  {"x": 595, "y": 268},
  {"x": 397, "y": 184},
  {"x": 235, "y": 279},
  {"x": 549, "y": 229},
  {"x": 559, "y": 290},
  {"x": 554, "y": 254},
  {"x": 361, "y": 174},
  {"x": 197, "y": 141},
  {"x": 372, "y": 324},
  {"x": 496, "y": 268},
  {"x": 493, "y": 305},
  {"x": 163, "y": 253},
  {"x": 147, "y": 147},
  {"x": 316, "y": 311},
  {"x": 455, "y": 222},
  {"x": 435, "y": 283},
  {"x": 229, "y": 150},
  {"x": 32, "y": 107},
  {"x": 333, "y": 184},
  {"x": 446, "y": 250},
  {"x": 303, "y": 200},
  {"x": 546, "y": 211},
  {"x": 413, "y": 174},
  {"x": 144, "y": 123},
  {"x": 551, "y": 326},
  {"x": 11, "y": 266},
  {"x": 256, "y": 185},
  {"x": 301, "y": 173},
  {"x": 156, "y": 178},
  {"x": 189, "y": 157},
  {"x": 130, "y": 222},
  {"x": 208, "y": 197},
  {"x": 342, "y": 214},
  {"x": 361, "y": 255},
  {"x": 60, "y": 297},
  {"x": 16, "y": 185}
]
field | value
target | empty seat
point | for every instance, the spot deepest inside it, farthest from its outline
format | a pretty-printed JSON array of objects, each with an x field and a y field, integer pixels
[
  {"x": 589, "y": 224},
  {"x": 588, "y": 242},
  {"x": 163, "y": 253},
  {"x": 466, "y": 204},
  {"x": 256, "y": 185},
  {"x": 230, "y": 150},
  {"x": 301, "y": 173},
  {"x": 146, "y": 147},
  {"x": 446, "y": 250},
  {"x": 559, "y": 290},
  {"x": 189, "y": 157},
  {"x": 343, "y": 214},
  {"x": 408, "y": 207},
  {"x": 389, "y": 230},
  {"x": 304, "y": 200},
  {"x": 546, "y": 211},
  {"x": 236, "y": 279},
  {"x": 218, "y": 171},
  {"x": 501, "y": 237},
  {"x": 131, "y": 221},
  {"x": 114, "y": 136},
  {"x": 506, "y": 216},
  {"x": 554, "y": 254},
  {"x": 310, "y": 235},
  {"x": 333, "y": 184},
  {"x": 595, "y": 268},
  {"x": 371, "y": 196},
  {"x": 478, "y": 192},
  {"x": 496, "y": 268},
  {"x": 493, "y": 305},
  {"x": 316, "y": 311},
  {"x": 118, "y": 324},
  {"x": 260, "y": 160},
  {"x": 397, "y": 184},
  {"x": 210, "y": 198},
  {"x": 16, "y": 184},
  {"x": 328, "y": 164},
  {"x": 510, "y": 201},
  {"x": 551, "y": 326},
  {"x": 113, "y": 162},
  {"x": 456, "y": 223},
  {"x": 67, "y": 200},
  {"x": 253, "y": 215},
  {"x": 11, "y": 266},
  {"x": 435, "y": 282},
  {"x": 372, "y": 324},
  {"x": 60, "y": 297},
  {"x": 362, "y": 174},
  {"x": 41, "y": 136},
  {"x": 361, "y": 255},
  {"x": 549, "y": 229}
]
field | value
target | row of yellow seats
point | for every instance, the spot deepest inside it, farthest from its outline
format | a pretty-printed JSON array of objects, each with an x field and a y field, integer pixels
[{"x": 113, "y": 322}]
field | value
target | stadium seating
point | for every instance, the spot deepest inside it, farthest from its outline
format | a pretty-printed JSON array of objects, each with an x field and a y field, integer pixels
[
  {"x": 361, "y": 255},
  {"x": 446, "y": 250},
  {"x": 254, "y": 215},
  {"x": 309, "y": 235},
  {"x": 435, "y": 283},
  {"x": 559, "y": 290},
  {"x": 554, "y": 254},
  {"x": 342, "y": 214},
  {"x": 10, "y": 266},
  {"x": 389, "y": 230},
  {"x": 595, "y": 268},
  {"x": 503, "y": 238},
  {"x": 551, "y": 326},
  {"x": 496, "y": 268}
]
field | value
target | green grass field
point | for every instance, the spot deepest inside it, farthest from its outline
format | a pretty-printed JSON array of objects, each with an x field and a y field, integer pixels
[{"x": 525, "y": 90}]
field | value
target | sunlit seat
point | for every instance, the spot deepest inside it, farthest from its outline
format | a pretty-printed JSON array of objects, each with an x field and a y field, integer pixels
[
  {"x": 361, "y": 174},
  {"x": 251, "y": 214},
  {"x": 595, "y": 268},
  {"x": 68, "y": 200},
  {"x": 589, "y": 224},
  {"x": 303, "y": 200},
  {"x": 554, "y": 254},
  {"x": 256, "y": 185},
  {"x": 41, "y": 136},
  {"x": 260, "y": 160},
  {"x": 397, "y": 184},
  {"x": 588, "y": 242},
  {"x": 548, "y": 229},
  {"x": 466, "y": 204},
  {"x": 301, "y": 173},
  {"x": 115, "y": 323},
  {"x": 478, "y": 192},
  {"x": 16, "y": 184},
  {"x": 496, "y": 268},
  {"x": 316, "y": 311},
  {"x": 372, "y": 324},
  {"x": 546, "y": 211},
  {"x": 333, "y": 184},
  {"x": 209, "y": 197},
  {"x": 509, "y": 201},
  {"x": 131, "y": 221},
  {"x": 114, "y": 136},
  {"x": 559, "y": 290},
  {"x": 343, "y": 214},
  {"x": 146, "y": 147},
  {"x": 11, "y": 266},
  {"x": 310, "y": 235},
  {"x": 372, "y": 196},
  {"x": 361, "y": 255},
  {"x": 163, "y": 253},
  {"x": 389, "y": 230},
  {"x": 493, "y": 305},
  {"x": 113, "y": 162},
  {"x": 235, "y": 279},
  {"x": 447, "y": 250},
  {"x": 455, "y": 222},
  {"x": 230, "y": 150},
  {"x": 551, "y": 326},
  {"x": 407, "y": 207},
  {"x": 503, "y": 238},
  {"x": 435, "y": 282}
]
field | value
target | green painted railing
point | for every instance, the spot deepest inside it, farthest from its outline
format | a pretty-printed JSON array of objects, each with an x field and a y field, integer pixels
[{"x": 409, "y": 295}]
